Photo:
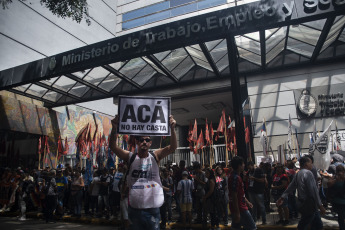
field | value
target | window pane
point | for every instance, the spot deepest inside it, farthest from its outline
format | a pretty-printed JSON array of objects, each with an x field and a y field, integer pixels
[
  {"x": 183, "y": 68},
  {"x": 305, "y": 34},
  {"x": 248, "y": 44},
  {"x": 133, "y": 67},
  {"x": 209, "y": 3},
  {"x": 36, "y": 90},
  {"x": 156, "y": 17},
  {"x": 144, "y": 75},
  {"x": 183, "y": 9},
  {"x": 79, "y": 90},
  {"x": 174, "y": 3},
  {"x": 300, "y": 47},
  {"x": 109, "y": 83},
  {"x": 52, "y": 96},
  {"x": 145, "y": 11},
  {"x": 249, "y": 56},
  {"x": 133, "y": 23},
  {"x": 64, "y": 83},
  {"x": 275, "y": 39},
  {"x": 275, "y": 51}
]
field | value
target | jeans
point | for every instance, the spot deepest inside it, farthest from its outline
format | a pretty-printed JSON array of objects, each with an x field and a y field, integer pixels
[
  {"x": 258, "y": 202},
  {"x": 78, "y": 199},
  {"x": 340, "y": 210},
  {"x": 144, "y": 219},
  {"x": 51, "y": 202},
  {"x": 246, "y": 221},
  {"x": 314, "y": 219},
  {"x": 168, "y": 200}
]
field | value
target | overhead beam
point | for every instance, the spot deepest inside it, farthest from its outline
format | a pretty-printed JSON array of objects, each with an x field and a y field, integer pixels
[
  {"x": 122, "y": 76},
  {"x": 162, "y": 67},
  {"x": 324, "y": 33},
  {"x": 81, "y": 81},
  {"x": 236, "y": 96},
  {"x": 263, "y": 49},
  {"x": 209, "y": 59}
]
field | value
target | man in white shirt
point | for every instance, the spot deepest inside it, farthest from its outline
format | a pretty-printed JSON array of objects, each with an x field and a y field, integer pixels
[{"x": 145, "y": 188}]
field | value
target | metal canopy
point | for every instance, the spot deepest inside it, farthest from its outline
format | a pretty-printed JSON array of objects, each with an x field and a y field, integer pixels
[{"x": 267, "y": 36}]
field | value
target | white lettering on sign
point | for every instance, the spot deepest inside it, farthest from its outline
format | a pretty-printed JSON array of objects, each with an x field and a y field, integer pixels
[{"x": 144, "y": 115}]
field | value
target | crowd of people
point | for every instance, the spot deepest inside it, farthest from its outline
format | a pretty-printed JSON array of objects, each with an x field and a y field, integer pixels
[{"x": 194, "y": 194}]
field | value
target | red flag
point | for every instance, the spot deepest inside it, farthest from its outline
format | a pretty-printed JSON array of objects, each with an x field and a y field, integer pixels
[
  {"x": 39, "y": 145},
  {"x": 190, "y": 132},
  {"x": 195, "y": 132},
  {"x": 207, "y": 134},
  {"x": 88, "y": 138},
  {"x": 200, "y": 141},
  {"x": 211, "y": 133},
  {"x": 222, "y": 123},
  {"x": 247, "y": 135},
  {"x": 60, "y": 148},
  {"x": 66, "y": 149},
  {"x": 82, "y": 134}
]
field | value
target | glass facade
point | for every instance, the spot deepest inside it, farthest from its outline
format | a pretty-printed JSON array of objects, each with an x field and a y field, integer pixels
[{"x": 164, "y": 10}]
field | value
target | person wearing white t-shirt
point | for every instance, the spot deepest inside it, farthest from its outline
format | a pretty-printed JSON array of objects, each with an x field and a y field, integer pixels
[{"x": 145, "y": 187}]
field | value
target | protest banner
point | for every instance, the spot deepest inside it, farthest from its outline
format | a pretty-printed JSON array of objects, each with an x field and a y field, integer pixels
[{"x": 140, "y": 115}]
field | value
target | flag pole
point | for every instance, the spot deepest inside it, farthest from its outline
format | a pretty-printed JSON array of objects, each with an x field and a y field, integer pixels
[
  {"x": 44, "y": 155},
  {"x": 56, "y": 157},
  {"x": 226, "y": 146}
]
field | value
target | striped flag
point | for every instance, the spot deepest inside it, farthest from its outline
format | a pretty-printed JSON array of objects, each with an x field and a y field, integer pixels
[
  {"x": 337, "y": 138},
  {"x": 263, "y": 138},
  {"x": 289, "y": 142}
]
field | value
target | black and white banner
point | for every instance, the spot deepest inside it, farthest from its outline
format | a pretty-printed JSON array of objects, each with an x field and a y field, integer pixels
[{"x": 144, "y": 115}]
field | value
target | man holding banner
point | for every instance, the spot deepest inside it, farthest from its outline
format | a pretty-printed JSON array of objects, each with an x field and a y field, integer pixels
[{"x": 145, "y": 188}]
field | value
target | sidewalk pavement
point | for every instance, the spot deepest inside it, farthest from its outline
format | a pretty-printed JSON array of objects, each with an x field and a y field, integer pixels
[{"x": 329, "y": 221}]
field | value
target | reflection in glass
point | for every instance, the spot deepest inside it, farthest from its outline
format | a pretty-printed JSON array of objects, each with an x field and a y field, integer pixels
[
  {"x": 300, "y": 47},
  {"x": 249, "y": 56},
  {"x": 110, "y": 82},
  {"x": 52, "y": 96},
  {"x": 305, "y": 34},
  {"x": 79, "y": 90},
  {"x": 64, "y": 83},
  {"x": 36, "y": 90}
]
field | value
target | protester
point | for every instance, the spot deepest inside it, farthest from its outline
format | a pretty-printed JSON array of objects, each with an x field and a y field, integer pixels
[
  {"x": 184, "y": 190},
  {"x": 337, "y": 189},
  {"x": 256, "y": 188},
  {"x": 199, "y": 186},
  {"x": 210, "y": 200},
  {"x": 308, "y": 195},
  {"x": 168, "y": 185},
  {"x": 49, "y": 185},
  {"x": 222, "y": 194},
  {"x": 238, "y": 202},
  {"x": 115, "y": 193},
  {"x": 280, "y": 183},
  {"x": 145, "y": 195},
  {"x": 62, "y": 185},
  {"x": 77, "y": 187}
]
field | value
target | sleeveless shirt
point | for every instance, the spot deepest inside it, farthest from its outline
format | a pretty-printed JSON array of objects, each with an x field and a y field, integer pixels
[{"x": 145, "y": 187}]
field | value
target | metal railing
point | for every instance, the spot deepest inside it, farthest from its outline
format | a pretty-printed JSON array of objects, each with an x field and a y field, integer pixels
[{"x": 209, "y": 157}]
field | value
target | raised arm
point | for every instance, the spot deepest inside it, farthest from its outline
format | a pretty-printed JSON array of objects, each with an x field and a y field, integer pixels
[
  {"x": 123, "y": 154},
  {"x": 161, "y": 153}
]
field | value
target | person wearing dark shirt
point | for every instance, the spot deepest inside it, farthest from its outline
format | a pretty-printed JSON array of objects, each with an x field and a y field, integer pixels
[
  {"x": 256, "y": 188},
  {"x": 337, "y": 186},
  {"x": 238, "y": 202},
  {"x": 61, "y": 184},
  {"x": 280, "y": 183},
  {"x": 304, "y": 182}
]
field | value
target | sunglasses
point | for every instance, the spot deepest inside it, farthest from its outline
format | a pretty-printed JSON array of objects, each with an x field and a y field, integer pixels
[{"x": 144, "y": 139}]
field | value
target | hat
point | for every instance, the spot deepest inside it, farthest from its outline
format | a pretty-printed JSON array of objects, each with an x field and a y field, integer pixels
[{"x": 185, "y": 173}]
